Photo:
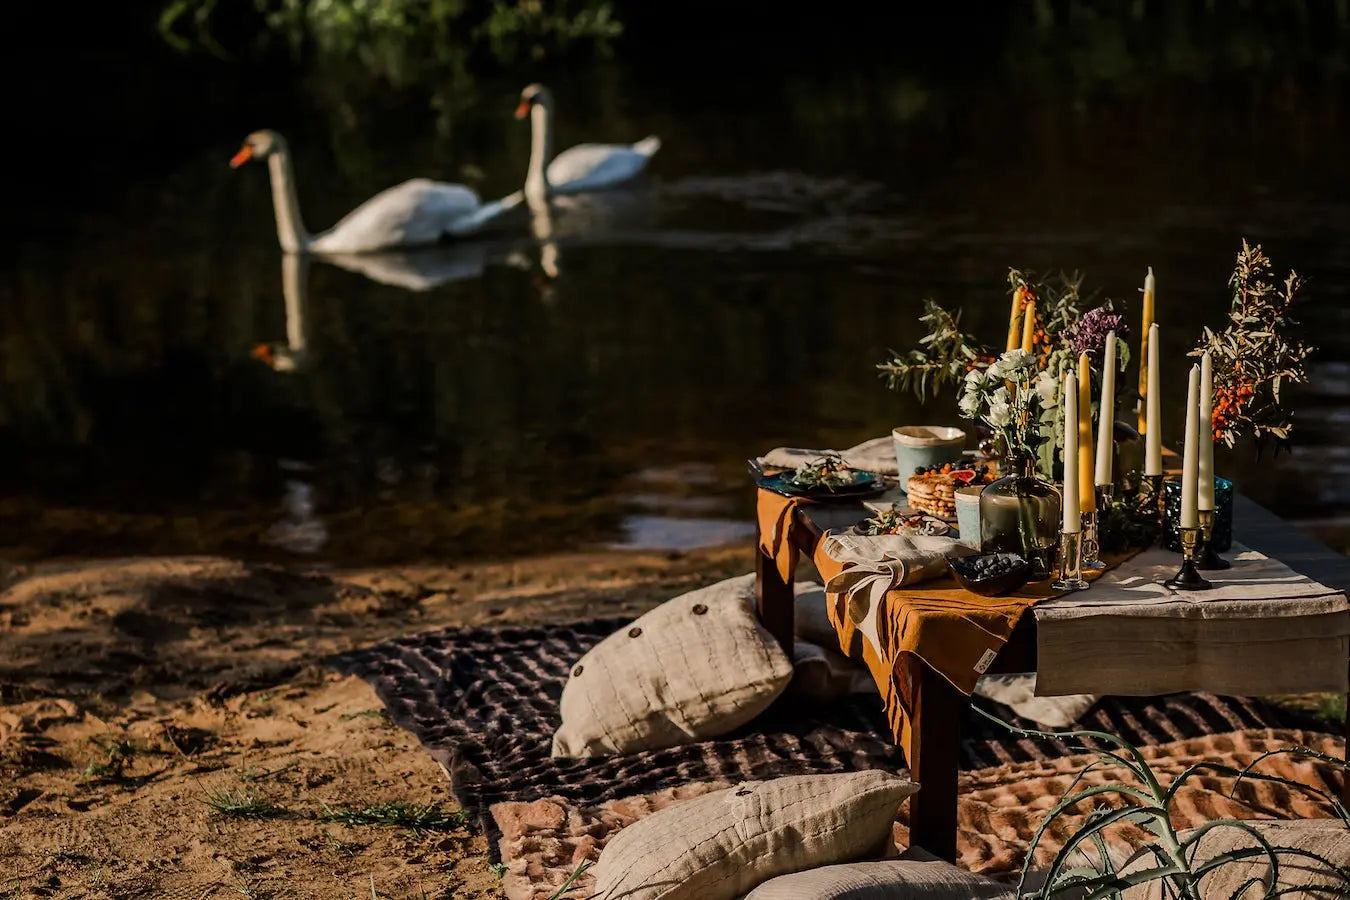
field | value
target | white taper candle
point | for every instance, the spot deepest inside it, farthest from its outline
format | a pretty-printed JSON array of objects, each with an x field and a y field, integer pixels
[
  {"x": 1153, "y": 426},
  {"x": 1190, "y": 459},
  {"x": 1072, "y": 521},
  {"x": 1205, "y": 497},
  {"x": 1106, "y": 412}
]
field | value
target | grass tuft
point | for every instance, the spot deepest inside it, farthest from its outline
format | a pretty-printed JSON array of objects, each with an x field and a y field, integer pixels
[
  {"x": 117, "y": 754},
  {"x": 242, "y": 804},
  {"x": 398, "y": 814}
]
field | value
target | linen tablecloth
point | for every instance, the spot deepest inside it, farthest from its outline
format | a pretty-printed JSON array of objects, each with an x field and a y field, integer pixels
[{"x": 1262, "y": 629}]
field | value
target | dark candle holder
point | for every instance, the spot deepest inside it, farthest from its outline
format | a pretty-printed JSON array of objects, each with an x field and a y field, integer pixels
[
  {"x": 1188, "y": 577},
  {"x": 1208, "y": 558},
  {"x": 1151, "y": 496}
]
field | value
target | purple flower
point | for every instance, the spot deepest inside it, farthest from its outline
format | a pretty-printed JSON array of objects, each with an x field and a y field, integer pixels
[{"x": 1088, "y": 334}]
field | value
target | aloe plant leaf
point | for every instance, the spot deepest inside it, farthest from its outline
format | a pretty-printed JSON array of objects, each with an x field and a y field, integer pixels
[{"x": 1096, "y": 825}]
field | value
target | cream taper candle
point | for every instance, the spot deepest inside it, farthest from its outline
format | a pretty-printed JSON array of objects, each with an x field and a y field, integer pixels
[
  {"x": 1190, "y": 458},
  {"x": 1205, "y": 469},
  {"x": 1087, "y": 495},
  {"x": 1153, "y": 428},
  {"x": 1106, "y": 412},
  {"x": 1073, "y": 522}
]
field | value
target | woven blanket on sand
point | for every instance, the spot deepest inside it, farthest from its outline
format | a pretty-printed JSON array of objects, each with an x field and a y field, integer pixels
[
  {"x": 999, "y": 808},
  {"x": 485, "y": 704}
]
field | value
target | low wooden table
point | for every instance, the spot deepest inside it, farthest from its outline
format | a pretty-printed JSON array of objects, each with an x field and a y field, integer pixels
[{"x": 939, "y": 708}]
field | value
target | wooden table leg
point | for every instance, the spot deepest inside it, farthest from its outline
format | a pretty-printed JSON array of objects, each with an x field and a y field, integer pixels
[
  {"x": 937, "y": 713},
  {"x": 1345, "y": 775},
  {"x": 773, "y": 599}
]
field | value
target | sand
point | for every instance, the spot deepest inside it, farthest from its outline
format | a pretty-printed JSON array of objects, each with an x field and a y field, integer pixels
[{"x": 133, "y": 691}]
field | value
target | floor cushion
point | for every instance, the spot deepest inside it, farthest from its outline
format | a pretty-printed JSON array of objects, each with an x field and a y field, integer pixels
[
  {"x": 693, "y": 668},
  {"x": 723, "y": 844},
  {"x": 1300, "y": 877},
  {"x": 915, "y": 874}
]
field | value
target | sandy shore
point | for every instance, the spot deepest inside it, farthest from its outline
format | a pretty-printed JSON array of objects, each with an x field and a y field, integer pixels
[{"x": 132, "y": 692}]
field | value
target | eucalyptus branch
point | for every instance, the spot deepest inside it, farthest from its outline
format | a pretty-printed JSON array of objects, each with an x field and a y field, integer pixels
[{"x": 943, "y": 356}]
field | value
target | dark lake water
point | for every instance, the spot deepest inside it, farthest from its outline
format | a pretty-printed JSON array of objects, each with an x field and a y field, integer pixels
[{"x": 810, "y": 192}]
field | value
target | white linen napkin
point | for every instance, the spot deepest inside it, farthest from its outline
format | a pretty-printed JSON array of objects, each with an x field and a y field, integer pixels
[
  {"x": 877, "y": 564},
  {"x": 876, "y": 455}
]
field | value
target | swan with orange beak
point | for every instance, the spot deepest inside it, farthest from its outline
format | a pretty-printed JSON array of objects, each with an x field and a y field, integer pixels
[
  {"x": 585, "y": 167},
  {"x": 416, "y": 212}
]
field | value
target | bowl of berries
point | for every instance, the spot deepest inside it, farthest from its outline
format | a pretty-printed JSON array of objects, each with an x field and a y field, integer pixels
[{"x": 990, "y": 574}]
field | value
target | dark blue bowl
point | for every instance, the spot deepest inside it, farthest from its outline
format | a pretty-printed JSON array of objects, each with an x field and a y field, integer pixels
[{"x": 964, "y": 571}]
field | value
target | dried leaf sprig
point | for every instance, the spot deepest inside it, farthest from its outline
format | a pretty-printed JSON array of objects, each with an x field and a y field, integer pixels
[
  {"x": 1254, "y": 358},
  {"x": 943, "y": 356}
]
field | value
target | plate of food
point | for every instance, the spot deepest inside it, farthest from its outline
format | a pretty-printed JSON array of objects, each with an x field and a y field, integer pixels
[
  {"x": 932, "y": 489},
  {"x": 901, "y": 521},
  {"x": 825, "y": 478}
]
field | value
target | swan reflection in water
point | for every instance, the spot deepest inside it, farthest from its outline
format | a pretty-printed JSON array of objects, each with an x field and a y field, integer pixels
[{"x": 412, "y": 270}]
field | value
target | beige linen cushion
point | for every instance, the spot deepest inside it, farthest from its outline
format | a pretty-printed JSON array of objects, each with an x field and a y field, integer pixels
[
  {"x": 693, "y": 668},
  {"x": 914, "y": 875},
  {"x": 1328, "y": 838},
  {"x": 821, "y": 677},
  {"x": 720, "y": 845},
  {"x": 812, "y": 621}
]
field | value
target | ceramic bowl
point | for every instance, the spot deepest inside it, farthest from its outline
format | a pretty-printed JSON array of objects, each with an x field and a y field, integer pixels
[{"x": 963, "y": 570}]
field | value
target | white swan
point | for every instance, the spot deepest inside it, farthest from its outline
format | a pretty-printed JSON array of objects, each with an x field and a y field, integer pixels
[
  {"x": 416, "y": 212},
  {"x": 585, "y": 167}
]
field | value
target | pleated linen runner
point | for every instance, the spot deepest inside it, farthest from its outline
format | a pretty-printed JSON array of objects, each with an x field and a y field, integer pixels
[{"x": 955, "y": 632}]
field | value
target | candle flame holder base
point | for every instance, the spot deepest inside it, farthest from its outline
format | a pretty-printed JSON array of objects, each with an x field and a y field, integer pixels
[
  {"x": 1151, "y": 497},
  {"x": 1071, "y": 563},
  {"x": 1209, "y": 560},
  {"x": 1090, "y": 544},
  {"x": 1188, "y": 577}
]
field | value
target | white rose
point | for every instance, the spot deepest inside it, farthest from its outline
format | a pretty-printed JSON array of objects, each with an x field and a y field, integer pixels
[
  {"x": 969, "y": 404},
  {"x": 999, "y": 415},
  {"x": 1018, "y": 360}
]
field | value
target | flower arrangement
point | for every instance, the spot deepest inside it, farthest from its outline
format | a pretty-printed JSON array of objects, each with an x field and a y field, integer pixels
[
  {"x": 1059, "y": 330},
  {"x": 1253, "y": 358},
  {"x": 1010, "y": 396}
]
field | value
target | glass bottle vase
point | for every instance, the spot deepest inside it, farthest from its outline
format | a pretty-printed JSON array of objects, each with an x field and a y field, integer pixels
[{"x": 1020, "y": 513}]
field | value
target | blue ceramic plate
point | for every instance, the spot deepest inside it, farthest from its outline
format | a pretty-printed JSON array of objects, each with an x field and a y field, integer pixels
[{"x": 865, "y": 484}]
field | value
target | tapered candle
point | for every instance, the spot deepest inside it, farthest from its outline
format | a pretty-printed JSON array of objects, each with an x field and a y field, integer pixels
[
  {"x": 1205, "y": 498},
  {"x": 1029, "y": 326},
  {"x": 1190, "y": 458},
  {"x": 1153, "y": 429},
  {"x": 1145, "y": 341},
  {"x": 1072, "y": 522},
  {"x": 1106, "y": 412},
  {"x": 1087, "y": 496},
  {"x": 1014, "y": 320}
]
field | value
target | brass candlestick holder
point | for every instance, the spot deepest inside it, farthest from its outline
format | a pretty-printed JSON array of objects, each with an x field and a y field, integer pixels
[
  {"x": 1208, "y": 558},
  {"x": 1188, "y": 577},
  {"x": 1071, "y": 563}
]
